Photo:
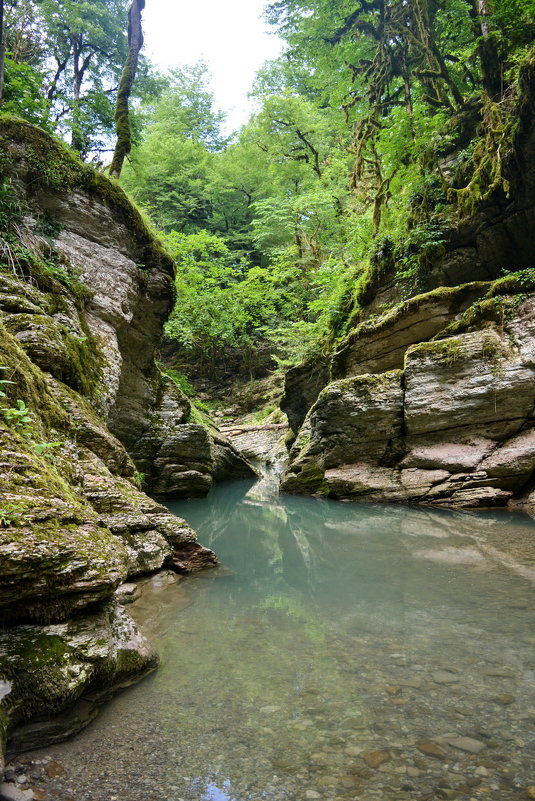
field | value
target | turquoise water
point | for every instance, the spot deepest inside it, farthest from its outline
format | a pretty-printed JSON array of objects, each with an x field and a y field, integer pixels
[{"x": 318, "y": 663}]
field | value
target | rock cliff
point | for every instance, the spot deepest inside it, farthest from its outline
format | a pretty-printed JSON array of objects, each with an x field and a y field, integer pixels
[
  {"x": 447, "y": 419},
  {"x": 432, "y": 401},
  {"x": 86, "y": 419}
]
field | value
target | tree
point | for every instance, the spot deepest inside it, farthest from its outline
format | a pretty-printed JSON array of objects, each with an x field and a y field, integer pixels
[
  {"x": 87, "y": 43},
  {"x": 122, "y": 116},
  {"x": 168, "y": 173},
  {"x": 2, "y": 49}
]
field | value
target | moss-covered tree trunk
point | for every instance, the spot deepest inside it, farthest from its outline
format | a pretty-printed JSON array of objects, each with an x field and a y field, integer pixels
[
  {"x": 122, "y": 115},
  {"x": 1, "y": 50},
  {"x": 488, "y": 50}
]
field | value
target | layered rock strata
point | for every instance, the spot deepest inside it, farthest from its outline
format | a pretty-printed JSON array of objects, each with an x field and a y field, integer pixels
[
  {"x": 86, "y": 420},
  {"x": 448, "y": 421},
  {"x": 94, "y": 318}
]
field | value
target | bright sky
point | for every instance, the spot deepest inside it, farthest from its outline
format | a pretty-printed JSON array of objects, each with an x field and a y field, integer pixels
[{"x": 229, "y": 35}]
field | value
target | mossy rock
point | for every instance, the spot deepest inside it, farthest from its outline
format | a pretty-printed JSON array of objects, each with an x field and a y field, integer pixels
[
  {"x": 50, "y": 668},
  {"x": 51, "y": 165},
  {"x": 305, "y": 479}
]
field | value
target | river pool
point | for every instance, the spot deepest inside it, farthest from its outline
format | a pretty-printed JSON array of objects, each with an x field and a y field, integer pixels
[{"x": 342, "y": 652}]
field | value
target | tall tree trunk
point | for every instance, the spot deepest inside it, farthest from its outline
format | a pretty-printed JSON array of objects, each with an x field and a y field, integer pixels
[
  {"x": 76, "y": 132},
  {"x": 1, "y": 50},
  {"x": 122, "y": 114},
  {"x": 483, "y": 11},
  {"x": 489, "y": 50}
]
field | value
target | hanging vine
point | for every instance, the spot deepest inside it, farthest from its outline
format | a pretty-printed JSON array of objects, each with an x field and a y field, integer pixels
[
  {"x": 404, "y": 51},
  {"x": 489, "y": 155}
]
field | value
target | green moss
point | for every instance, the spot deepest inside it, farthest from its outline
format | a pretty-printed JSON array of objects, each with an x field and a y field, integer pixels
[
  {"x": 489, "y": 156},
  {"x": 365, "y": 288},
  {"x": 445, "y": 351},
  {"x": 200, "y": 416},
  {"x": 310, "y": 480},
  {"x": 368, "y": 383},
  {"x": 514, "y": 283},
  {"x": 498, "y": 305},
  {"x": 492, "y": 352},
  {"x": 179, "y": 380},
  {"x": 303, "y": 440},
  {"x": 452, "y": 297},
  {"x": 29, "y": 385}
]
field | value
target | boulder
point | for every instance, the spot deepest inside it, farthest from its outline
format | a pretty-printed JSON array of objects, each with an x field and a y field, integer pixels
[
  {"x": 58, "y": 675},
  {"x": 476, "y": 379}
]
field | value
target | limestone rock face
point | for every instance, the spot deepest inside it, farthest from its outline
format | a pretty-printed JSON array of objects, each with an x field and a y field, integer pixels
[
  {"x": 302, "y": 385},
  {"x": 82, "y": 306},
  {"x": 73, "y": 522},
  {"x": 475, "y": 377},
  {"x": 95, "y": 321},
  {"x": 375, "y": 347},
  {"x": 455, "y": 427}
]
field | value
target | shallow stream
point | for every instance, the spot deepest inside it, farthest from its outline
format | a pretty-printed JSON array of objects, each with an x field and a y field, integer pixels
[{"x": 343, "y": 652}]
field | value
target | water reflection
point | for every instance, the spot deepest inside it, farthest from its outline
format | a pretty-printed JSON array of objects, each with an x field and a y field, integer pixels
[{"x": 343, "y": 652}]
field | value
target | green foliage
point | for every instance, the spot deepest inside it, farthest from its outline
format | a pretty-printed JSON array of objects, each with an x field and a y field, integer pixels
[
  {"x": 24, "y": 94},
  {"x": 180, "y": 380},
  {"x": 222, "y": 302},
  {"x": 139, "y": 479},
  {"x": 10, "y": 209},
  {"x": 17, "y": 417},
  {"x": 379, "y": 124},
  {"x": 14, "y": 513},
  {"x": 416, "y": 254},
  {"x": 169, "y": 168}
]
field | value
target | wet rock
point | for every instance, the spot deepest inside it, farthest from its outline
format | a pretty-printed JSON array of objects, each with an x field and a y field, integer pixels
[
  {"x": 10, "y": 792},
  {"x": 504, "y": 700},
  {"x": 127, "y": 593},
  {"x": 54, "y": 769},
  {"x": 51, "y": 667},
  {"x": 186, "y": 459},
  {"x": 445, "y": 793},
  {"x": 191, "y": 557},
  {"x": 353, "y": 750},
  {"x": 444, "y": 677},
  {"x": 376, "y": 758},
  {"x": 431, "y": 748},
  {"x": 468, "y": 744},
  {"x": 499, "y": 672}
]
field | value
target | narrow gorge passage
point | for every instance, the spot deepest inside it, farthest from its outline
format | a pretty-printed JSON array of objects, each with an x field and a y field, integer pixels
[{"x": 341, "y": 652}]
